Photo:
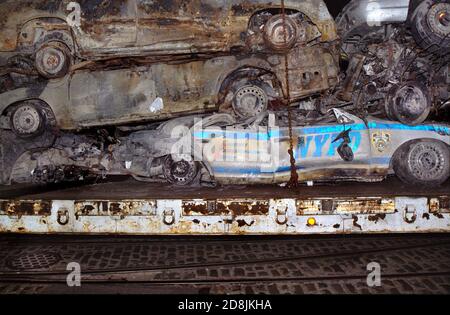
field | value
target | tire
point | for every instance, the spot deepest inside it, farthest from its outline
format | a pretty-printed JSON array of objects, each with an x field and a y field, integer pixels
[
  {"x": 180, "y": 171},
  {"x": 250, "y": 99},
  {"x": 423, "y": 162},
  {"x": 428, "y": 28},
  {"x": 409, "y": 103},
  {"x": 28, "y": 120},
  {"x": 53, "y": 60}
]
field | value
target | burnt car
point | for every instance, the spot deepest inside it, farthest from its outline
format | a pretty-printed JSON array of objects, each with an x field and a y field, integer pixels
[
  {"x": 428, "y": 21},
  {"x": 217, "y": 149},
  {"x": 59, "y": 34},
  {"x": 135, "y": 60},
  {"x": 398, "y": 58},
  {"x": 244, "y": 85}
]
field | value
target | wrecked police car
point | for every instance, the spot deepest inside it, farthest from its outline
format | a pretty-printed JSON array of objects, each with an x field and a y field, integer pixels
[{"x": 217, "y": 149}]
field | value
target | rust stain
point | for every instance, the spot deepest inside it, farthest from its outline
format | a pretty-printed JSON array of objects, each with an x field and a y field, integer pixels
[
  {"x": 438, "y": 215},
  {"x": 196, "y": 208},
  {"x": 42, "y": 208},
  {"x": 242, "y": 223},
  {"x": 440, "y": 204},
  {"x": 355, "y": 222},
  {"x": 353, "y": 205},
  {"x": 122, "y": 208},
  {"x": 243, "y": 207},
  {"x": 223, "y": 207},
  {"x": 376, "y": 217}
]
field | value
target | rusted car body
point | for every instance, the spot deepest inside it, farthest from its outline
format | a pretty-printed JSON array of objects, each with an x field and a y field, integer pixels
[
  {"x": 135, "y": 27},
  {"x": 106, "y": 29},
  {"x": 216, "y": 149},
  {"x": 161, "y": 90},
  {"x": 141, "y": 60}
]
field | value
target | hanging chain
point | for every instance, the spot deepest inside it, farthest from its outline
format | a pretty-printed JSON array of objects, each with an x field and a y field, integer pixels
[{"x": 293, "y": 181}]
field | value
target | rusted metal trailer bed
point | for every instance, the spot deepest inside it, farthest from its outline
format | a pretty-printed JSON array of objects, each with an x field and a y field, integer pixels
[{"x": 129, "y": 207}]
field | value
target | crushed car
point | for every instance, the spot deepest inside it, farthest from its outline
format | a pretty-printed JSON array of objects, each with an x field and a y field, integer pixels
[
  {"x": 389, "y": 75},
  {"x": 245, "y": 86},
  {"x": 397, "y": 55},
  {"x": 218, "y": 150},
  {"x": 188, "y": 57},
  {"x": 273, "y": 90},
  {"x": 60, "y": 34}
]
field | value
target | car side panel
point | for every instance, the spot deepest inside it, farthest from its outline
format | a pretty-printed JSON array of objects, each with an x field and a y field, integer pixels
[
  {"x": 245, "y": 156},
  {"x": 187, "y": 26},
  {"x": 387, "y": 137},
  {"x": 261, "y": 156},
  {"x": 317, "y": 157},
  {"x": 237, "y": 155},
  {"x": 111, "y": 27},
  {"x": 16, "y": 13},
  {"x": 105, "y": 26}
]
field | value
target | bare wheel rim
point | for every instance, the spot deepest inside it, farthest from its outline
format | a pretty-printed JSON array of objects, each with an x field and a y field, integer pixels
[
  {"x": 411, "y": 104},
  {"x": 438, "y": 18},
  {"x": 51, "y": 60},
  {"x": 26, "y": 120},
  {"x": 250, "y": 100},
  {"x": 426, "y": 161},
  {"x": 274, "y": 32},
  {"x": 180, "y": 170}
]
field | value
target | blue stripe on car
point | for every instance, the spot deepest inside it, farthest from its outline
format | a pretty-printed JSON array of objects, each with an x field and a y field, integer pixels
[
  {"x": 206, "y": 134},
  {"x": 281, "y": 169}
]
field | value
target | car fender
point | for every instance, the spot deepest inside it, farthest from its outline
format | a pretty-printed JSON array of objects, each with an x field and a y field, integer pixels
[{"x": 398, "y": 135}]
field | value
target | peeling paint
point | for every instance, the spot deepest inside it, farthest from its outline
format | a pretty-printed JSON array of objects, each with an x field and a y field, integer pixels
[{"x": 186, "y": 217}]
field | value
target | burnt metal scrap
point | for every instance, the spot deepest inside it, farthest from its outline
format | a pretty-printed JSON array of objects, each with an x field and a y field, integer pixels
[
  {"x": 111, "y": 87},
  {"x": 61, "y": 34},
  {"x": 398, "y": 56},
  {"x": 186, "y": 57}
]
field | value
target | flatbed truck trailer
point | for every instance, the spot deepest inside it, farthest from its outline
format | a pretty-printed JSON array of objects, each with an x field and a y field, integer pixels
[{"x": 124, "y": 206}]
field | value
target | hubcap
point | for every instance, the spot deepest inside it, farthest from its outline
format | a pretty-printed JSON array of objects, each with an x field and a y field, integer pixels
[
  {"x": 26, "y": 120},
  {"x": 250, "y": 100},
  {"x": 438, "y": 18},
  {"x": 51, "y": 59},
  {"x": 426, "y": 161}
]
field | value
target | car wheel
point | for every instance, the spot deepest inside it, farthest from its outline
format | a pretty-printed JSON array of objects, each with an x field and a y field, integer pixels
[
  {"x": 423, "y": 162},
  {"x": 53, "y": 60},
  {"x": 274, "y": 33},
  {"x": 431, "y": 26},
  {"x": 409, "y": 103},
  {"x": 250, "y": 100},
  {"x": 28, "y": 120},
  {"x": 180, "y": 170}
]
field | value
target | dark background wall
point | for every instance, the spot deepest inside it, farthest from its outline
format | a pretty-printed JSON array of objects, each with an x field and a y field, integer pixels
[{"x": 335, "y": 6}]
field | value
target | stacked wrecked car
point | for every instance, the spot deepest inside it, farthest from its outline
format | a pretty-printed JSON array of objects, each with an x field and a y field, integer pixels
[{"x": 207, "y": 92}]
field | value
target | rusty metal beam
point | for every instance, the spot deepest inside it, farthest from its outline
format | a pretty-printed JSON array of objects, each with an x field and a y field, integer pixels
[{"x": 228, "y": 216}]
